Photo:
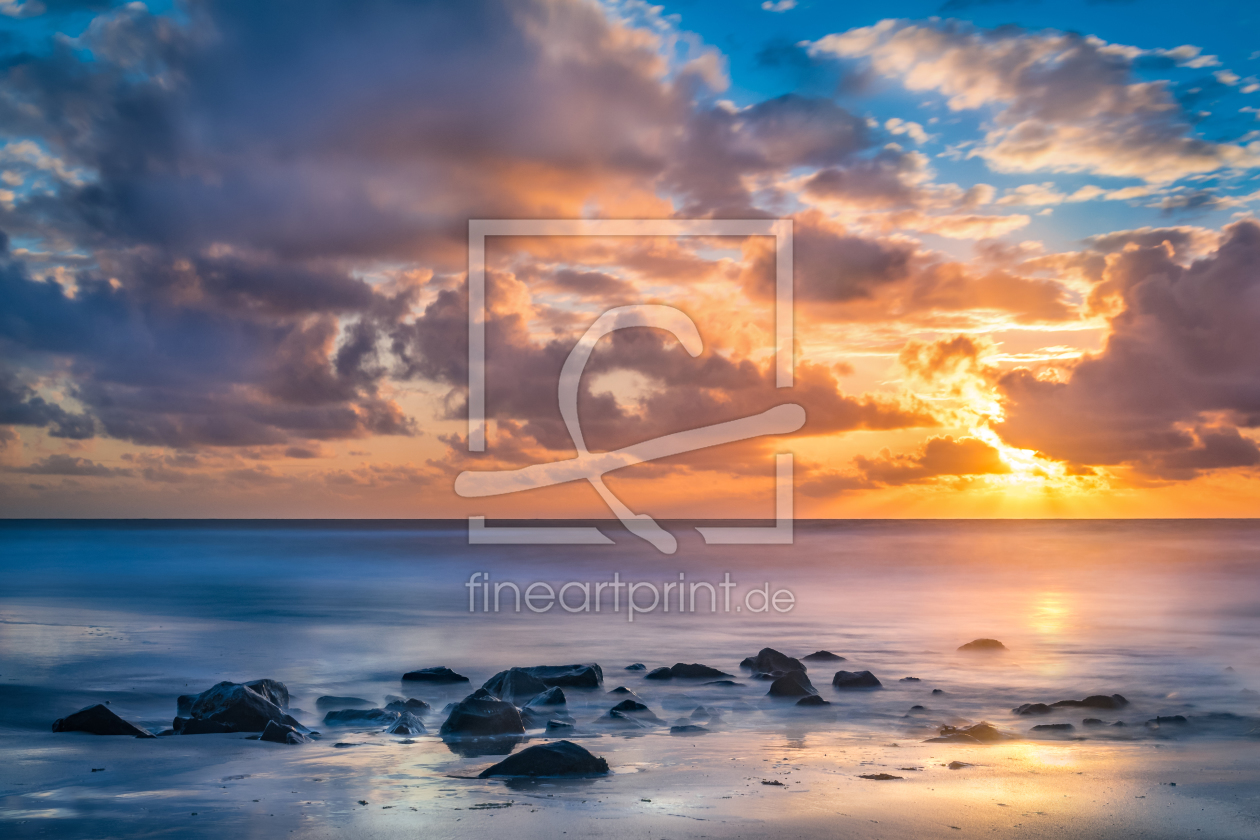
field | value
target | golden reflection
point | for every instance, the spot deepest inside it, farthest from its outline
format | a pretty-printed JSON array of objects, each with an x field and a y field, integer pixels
[{"x": 1050, "y": 613}]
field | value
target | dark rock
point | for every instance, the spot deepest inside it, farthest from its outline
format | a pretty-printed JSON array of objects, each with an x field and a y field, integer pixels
[
  {"x": 1119, "y": 723},
  {"x": 822, "y": 656},
  {"x": 440, "y": 674},
  {"x": 481, "y": 714},
  {"x": 855, "y": 679},
  {"x": 724, "y": 683},
  {"x": 1093, "y": 722},
  {"x": 1054, "y": 727},
  {"x": 412, "y": 705},
  {"x": 1164, "y": 720},
  {"x": 1094, "y": 701},
  {"x": 245, "y": 708},
  {"x": 621, "y": 689},
  {"x": 687, "y": 729},
  {"x": 812, "y": 700},
  {"x": 980, "y": 733},
  {"x": 793, "y": 684},
  {"x": 183, "y": 704},
  {"x": 557, "y": 758},
  {"x": 917, "y": 708},
  {"x": 631, "y": 710},
  {"x": 587, "y": 675},
  {"x": 210, "y": 727},
  {"x": 514, "y": 684},
  {"x": 958, "y": 765},
  {"x": 937, "y": 691},
  {"x": 553, "y": 696},
  {"x": 983, "y": 645},
  {"x": 1032, "y": 709},
  {"x": 99, "y": 720},
  {"x": 660, "y": 674},
  {"x": 332, "y": 701},
  {"x": 769, "y": 659},
  {"x": 279, "y": 733},
  {"x": 879, "y": 777},
  {"x": 547, "y": 706},
  {"x": 682, "y": 670},
  {"x": 910, "y": 679},
  {"x": 361, "y": 717},
  {"x": 407, "y": 724},
  {"x": 638, "y": 666},
  {"x": 706, "y": 713},
  {"x": 560, "y": 726}
]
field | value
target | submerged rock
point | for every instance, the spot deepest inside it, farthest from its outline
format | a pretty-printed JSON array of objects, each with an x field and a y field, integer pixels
[
  {"x": 813, "y": 700},
  {"x": 481, "y": 714},
  {"x": 545, "y": 707},
  {"x": 712, "y": 713},
  {"x": 724, "y": 683},
  {"x": 1094, "y": 701},
  {"x": 244, "y": 707},
  {"x": 983, "y": 645},
  {"x": 440, "y": 674},
  {"x": 561, "y": 726},
  {"x": 682, "y": 670},
  {"x": 792, "y": 684},
  {"x": 980, "y": 733},
  {"x": 822, "y": 656},
  {"x": 633, "y": 711},
  {"x": 557, "y": 758},
  {"x": 332, "y": 701},
  {"x": 879, "y": 777},
  {"x": 1093, "y": 722},
  {"x": 687, "y": 729},
  {"x": 1054, "y": 727},
  {"x": 361, "y": 717},
  {"x": 411, "y": 704},
  {"x": 280, "y": 733},
  {"x": 515, "y": 684},
  {"x": 638, "y": 666},
  {"x": 586, "y": 675},
  {"x": 1032, "y": 709},
  {"x": 99, "y": 719},
  {"x": 910, "y": 679},
  {"x": 207, "y": 727},
  {"x": 768, "y": 660},
  {"x": 407, "y": 724},
  {"x": 855, "y": 679}
]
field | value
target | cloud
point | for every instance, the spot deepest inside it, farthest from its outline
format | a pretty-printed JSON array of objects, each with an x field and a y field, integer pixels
[
  {"x": 1062, "y": 102},
  {"x": 70, "y": 465}
]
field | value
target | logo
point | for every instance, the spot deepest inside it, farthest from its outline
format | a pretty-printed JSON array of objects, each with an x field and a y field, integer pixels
[{"x": 593, "y": 466}]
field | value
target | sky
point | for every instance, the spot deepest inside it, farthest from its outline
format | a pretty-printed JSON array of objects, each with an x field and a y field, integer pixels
[{"x": 234, "y": 254}]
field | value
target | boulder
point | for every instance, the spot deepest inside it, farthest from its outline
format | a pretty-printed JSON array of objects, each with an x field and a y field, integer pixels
[
  {"x": 1164, "y": 720},
  {"x": 279, "y": 733},
  {"x": 983, "y": 646},
  {"x": 638, "y": 666},
  {"x": 855, "y": 679},
  {"x": 980, "y": 733},
  {"x": 937, "y": 691},
  {"x": 822, "y": 656},
  {"x": 687, "y": 729},
  {"x": 99, "y": 720},
  {"x": 724, "y": 683},
  {"x": 361, "y": 717},
  {"x": 411, "y": 704},
  {"x": 183, "y": 704},
  {"x": 440, "y": 674},
  {"x": 769, "y": 659},
  {"x": 1032, "y": 709},
  {"x": 632, "y": 711},
  {"x": 622, "y": 691},
  {"x": 812, "y": 700},
  {"x": 560, "y": 726},
  {"x": 332, "y": 701},
  {"x": 792, "y": 684},
  {"x": 910, "y": 679},
  {"x": 1054, "y": 727},
  {"x": 481, "y": 714},
  {"x": 682, "y": 670},
  {"x": 545, "y": 707},
  {"x": 244, "y": 708},
  {"x": 208, "y": 727},
  {"x": 1094, "y": 701},
  {"x": 514, "y": 684},
  {"x": 407, "y": 724},
  {"x": 706, "y": 713},
  {"x": 587, "y": 675},
  {"x": 557, "y": 758},
  {"x": 1093, "y": 722}
]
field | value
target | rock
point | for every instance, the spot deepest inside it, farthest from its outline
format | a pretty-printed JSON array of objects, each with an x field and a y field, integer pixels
[
  {"x": 682, "y": 670},
  {"x": 411, "y": 704},
  {"x": 560, "y": 726},
  {"x": 631, "y": 710},
  {"x": 481, "y": 714},
  {"x": 879, "y": 777},
  {"x": 1094, "y": 701},
  {"x": 958, "y": 765},
  {"x": 1119, "y": 723},
  {"x": 983, "y": 645},
  {"x": 99, "y": 720},
  {"x": 910, "y": 679},
  {"x": 917, "y": 709},
  {"x": 687, "y": 729},
  {"x": 514, "y": 684},
  {"x": 1032, "y": 709},
  {"x": 279, "y": 733},
  {"x": 1054, "y": 727},
  {"x": 1093, "y": 722},
  {"x": 547, "y": 706},
  {"x": 210, "y": 727},
  {"x": 183, "y": 704},
  {"x": 361, "y": 717},
  {"x": 855, "y": 679},
  {"x": 769, "y": 659},
  {"x": 793, "y": 684},
  {"x": 587, "y": 675},
  {"x": 638, "y": 666},
  {"x": 407, "y": 724},
  {"x": 937, "y": 691},
  {"x": 706, "y": 713},
  {"x": 557, "y": 758},
  {"x": 822, "y": 656},
  {"x": 724, "y": 683},
  {"x": 440, "y": 674},
  {"x": 243, "y": 707},
  {"x": 980, "y": 733},
  {"x": 551, "y": 697},
  {"x": 332, "y": 701},
  {"x": 622, "y": 691},
  {"x": 812, "y": 700},
  {"x": 1163, "y": 720}
]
